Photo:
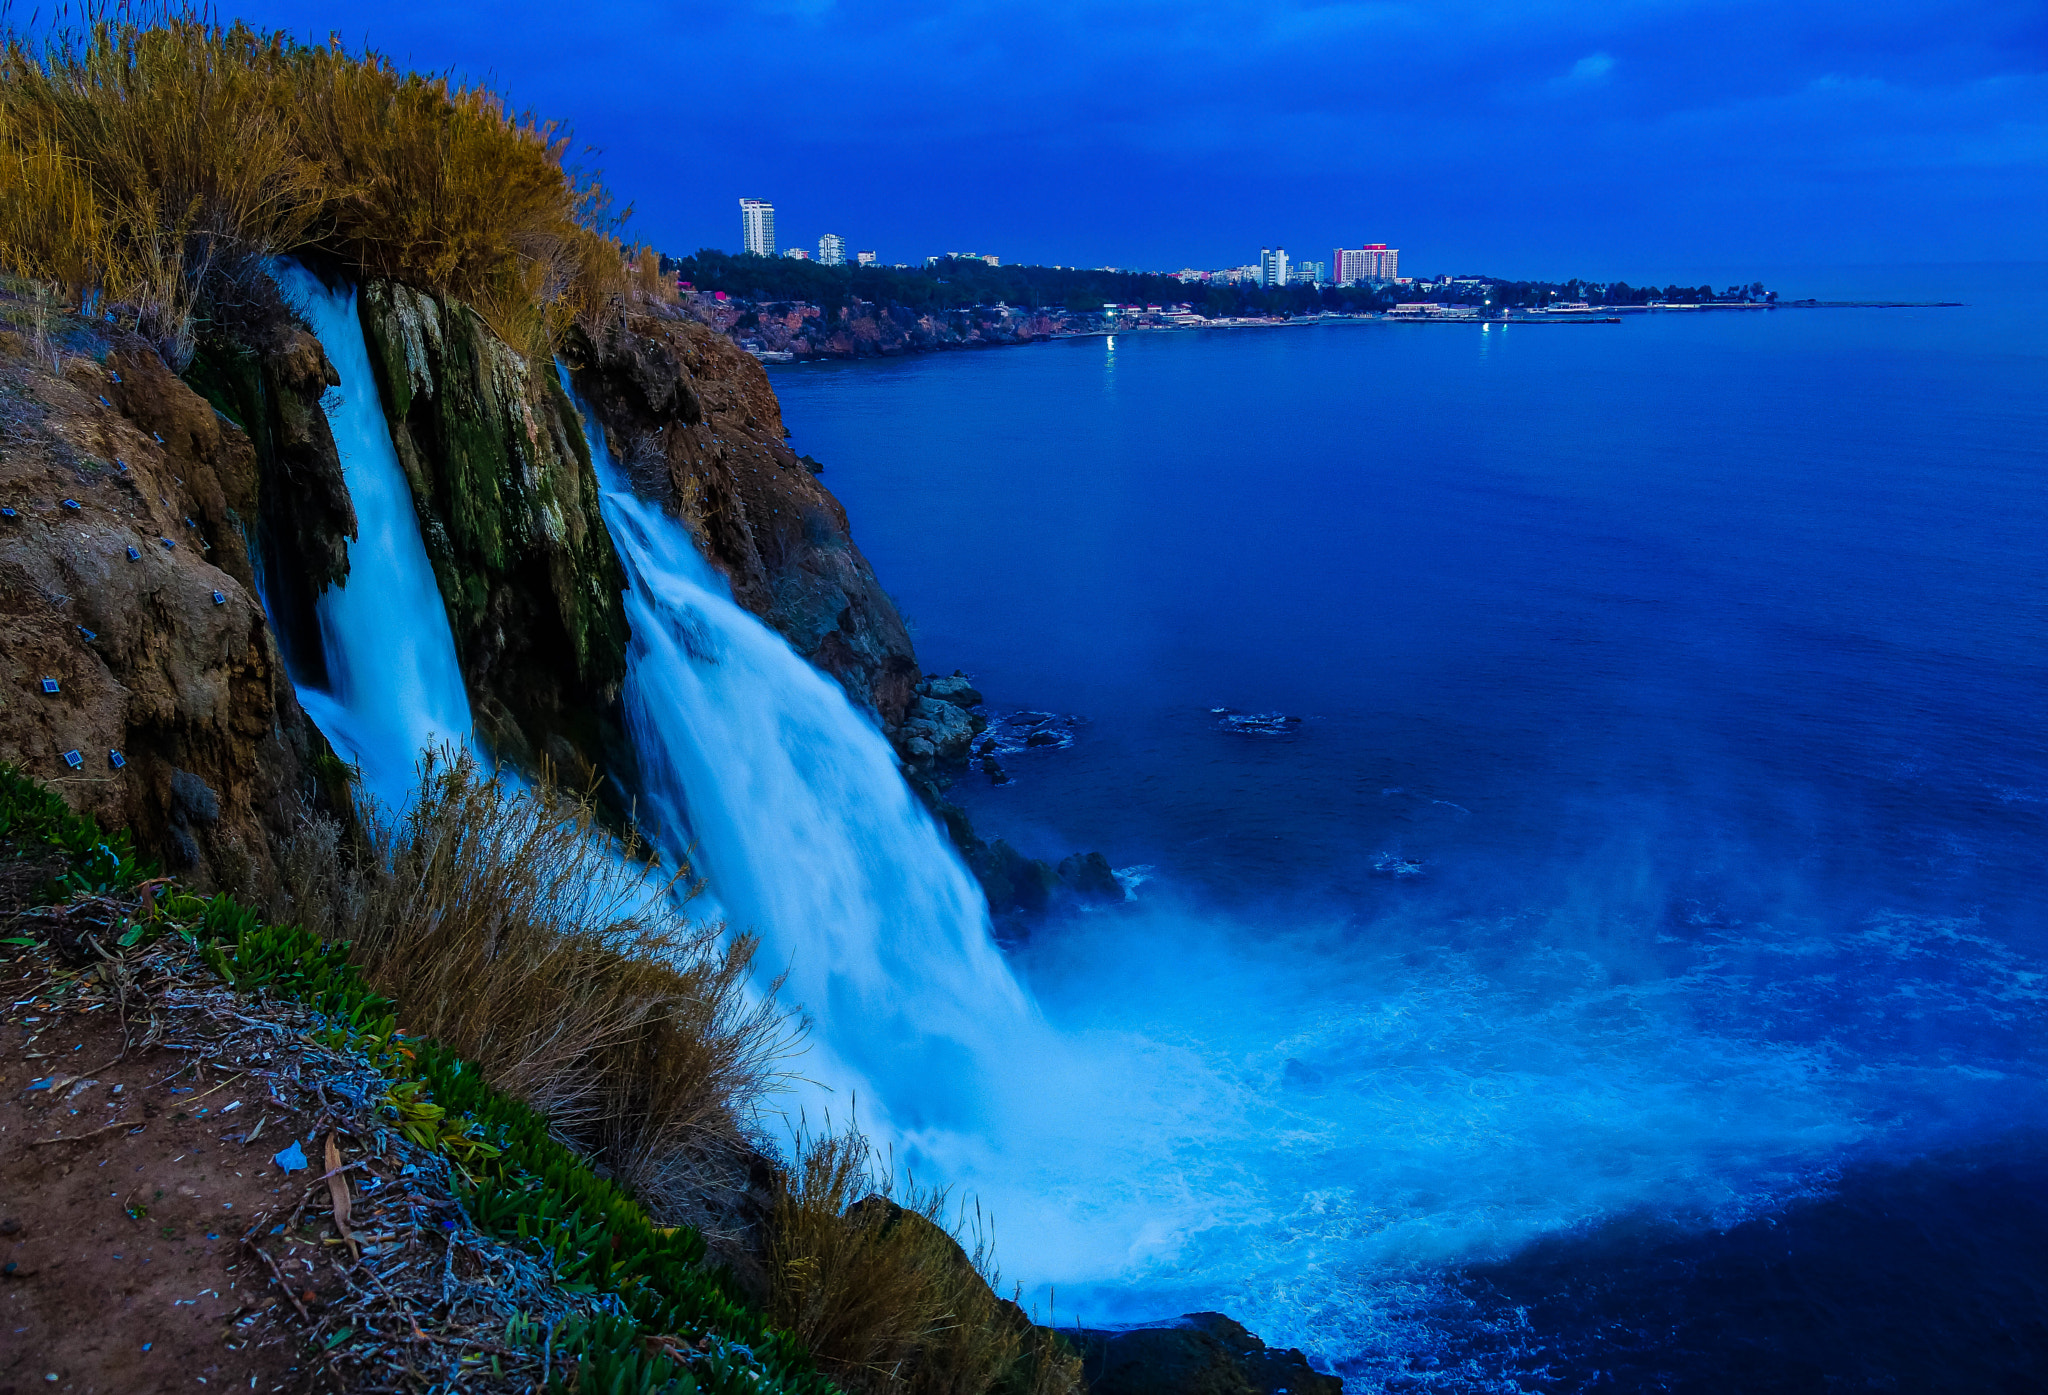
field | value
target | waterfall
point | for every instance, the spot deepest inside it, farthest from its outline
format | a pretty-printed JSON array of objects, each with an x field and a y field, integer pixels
[
  {"x": 808, "y": 835},
  {"x": 394, "y": 685}
]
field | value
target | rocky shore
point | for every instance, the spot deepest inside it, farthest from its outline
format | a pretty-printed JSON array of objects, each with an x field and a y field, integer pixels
[{"x": 864, "y": 329}]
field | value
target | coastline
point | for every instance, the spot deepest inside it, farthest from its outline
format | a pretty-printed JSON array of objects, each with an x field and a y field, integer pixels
[{"x": 1066, "y": 325}]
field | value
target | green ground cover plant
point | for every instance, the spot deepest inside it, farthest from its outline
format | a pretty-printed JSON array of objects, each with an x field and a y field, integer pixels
[{"x": 474, "y": 913}]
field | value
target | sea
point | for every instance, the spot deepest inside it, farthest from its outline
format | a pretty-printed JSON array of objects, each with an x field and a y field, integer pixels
[{"x": 1582, "y": 791}]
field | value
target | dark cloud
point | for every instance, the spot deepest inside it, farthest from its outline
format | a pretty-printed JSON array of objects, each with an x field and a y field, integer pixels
[{"x": 1533, "y": 137}]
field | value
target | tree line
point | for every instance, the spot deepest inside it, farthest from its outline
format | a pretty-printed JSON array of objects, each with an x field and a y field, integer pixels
[{"x": 960, "y": 283}]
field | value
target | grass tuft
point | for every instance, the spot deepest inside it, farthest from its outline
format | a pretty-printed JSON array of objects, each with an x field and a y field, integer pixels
[
  {"x": 519, "y": 934},
  {"x": 865, "y": 1272}
]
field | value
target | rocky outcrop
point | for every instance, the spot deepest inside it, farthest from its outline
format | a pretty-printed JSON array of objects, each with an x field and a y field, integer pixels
[
  {"x": 695, "y": 425},
  {"x": 1201, "y": 1354},
  {"x": 141, "y": 678},
  {"x": 266, "y": 374},
  {"x": 508, "y": 509}
]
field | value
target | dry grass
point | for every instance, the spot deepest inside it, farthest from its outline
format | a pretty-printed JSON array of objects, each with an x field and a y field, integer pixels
[
  {"x": 154, "y": 159},
  {"x": 516, "y": 932},
  {"x": 513, "y": 929},
  {"x": 889, "y": 1301}
]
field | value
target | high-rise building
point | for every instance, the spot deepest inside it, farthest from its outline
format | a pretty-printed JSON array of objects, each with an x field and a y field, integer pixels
[
  {"x": 1272, "y": 266},
  {"x": 1373, "y": 262},
  {"x": 832, "y": 250},
  {"x": 757, "y": 227},
  {"x": 1309, "y": 273},
  {"x": 864, "y": 258}
]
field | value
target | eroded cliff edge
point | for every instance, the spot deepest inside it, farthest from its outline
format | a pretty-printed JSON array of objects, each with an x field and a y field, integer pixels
[
  {"x": 144, "y": 682},
  {"x": 695, "y": 425}
]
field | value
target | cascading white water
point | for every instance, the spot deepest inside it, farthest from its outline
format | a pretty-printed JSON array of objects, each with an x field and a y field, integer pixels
[
  {"x": 807, "y": 834},
  {"x": 394, "y": 687}
]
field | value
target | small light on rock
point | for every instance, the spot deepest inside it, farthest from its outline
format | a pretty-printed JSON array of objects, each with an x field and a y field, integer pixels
[
  {"x": 71, "y": 503},
  {"x": 49, "y": 685},
  {"x": 219, "y": 599},
  {"x": 169, "y": 545},
  {"x": 89, "y": 634},
  {"x": 74, "y": 759},
  {"x": 134, "y": 553},
  {"x": 119, "y": 762}
]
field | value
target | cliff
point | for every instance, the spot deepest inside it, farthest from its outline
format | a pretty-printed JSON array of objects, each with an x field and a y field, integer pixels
[
  {"x": 508, "y": 508},
  {"x": 142, "y": 680},
  {"x": 693, "y": 422},
  {"x": 863, "y": 329}
]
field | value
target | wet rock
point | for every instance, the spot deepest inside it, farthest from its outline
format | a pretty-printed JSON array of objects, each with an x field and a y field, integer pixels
[
  {"x": 1088, "y": 876},
  {"x": 695, "y": 424},
  {"x": 954, "y": 689},
  {"x": 508, "y": 505},
  {"x": 992, "y": 768},
  {"x": 1201, "y": 1354},
  {"x": 1031, "y": 881},
  {"x": 936, "y": 729}
]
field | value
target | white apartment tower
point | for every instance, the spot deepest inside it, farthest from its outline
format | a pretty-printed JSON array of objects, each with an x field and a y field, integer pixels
[
  {"x": 757, "y": 227},
  {"x": 1272, "y": 266},
  {"x": 1373, "y": 262},
  {"x": 832, "y": 250}
]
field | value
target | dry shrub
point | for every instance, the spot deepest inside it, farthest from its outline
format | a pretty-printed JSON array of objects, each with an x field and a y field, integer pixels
[
  {"x": 158, "y": 158},
  {"x": 510, "y": 927},
  {"x": 867, "y": 1274}
]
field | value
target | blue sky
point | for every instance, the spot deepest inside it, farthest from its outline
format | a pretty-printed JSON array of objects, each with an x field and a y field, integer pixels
[{"x": 1643, "y": 138}]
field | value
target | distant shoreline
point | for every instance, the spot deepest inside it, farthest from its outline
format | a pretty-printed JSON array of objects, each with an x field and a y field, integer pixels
[{"x": 1608, "y": 315}]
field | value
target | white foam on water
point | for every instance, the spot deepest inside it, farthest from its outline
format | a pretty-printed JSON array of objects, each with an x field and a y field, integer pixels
[{"x": 1302, "y": 1124}]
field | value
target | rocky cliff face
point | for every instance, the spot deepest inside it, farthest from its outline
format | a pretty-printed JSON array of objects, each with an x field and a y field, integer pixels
[
  {"x": 864, "y": 329},
  {"x": 693, "y": 421},
  {"x": 508, "y": 508},
  {"x": 142, "y": 680}
]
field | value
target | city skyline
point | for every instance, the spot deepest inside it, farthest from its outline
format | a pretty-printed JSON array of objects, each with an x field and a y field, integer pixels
[
  {"x": 1373, "y": 262},
  {"x": 1655, "y": 142}
]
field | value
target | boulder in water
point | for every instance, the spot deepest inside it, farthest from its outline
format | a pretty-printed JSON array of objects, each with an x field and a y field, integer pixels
[
  {"x": 955, "y": 689},
  {"x": 1088, "y": 876},
  {"x": 1200, "y": 1354},
  {"x": 936, "y": 729}
]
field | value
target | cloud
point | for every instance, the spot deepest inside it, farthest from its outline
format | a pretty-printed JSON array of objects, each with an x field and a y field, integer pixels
[{"x": 1594, "y": 67}]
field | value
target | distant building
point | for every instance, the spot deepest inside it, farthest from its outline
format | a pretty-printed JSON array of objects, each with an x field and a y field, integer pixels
[
  {"x": 832, "y": 250},
  {"x": 1272, "y": 266},
  {"x": 798, "y": 254},
  {"x": 757, "y": 227},
  {"x": 1310, "y": 273},
  {"x": 864, "y": 258},
  {"x": 1373, "y": 262}
]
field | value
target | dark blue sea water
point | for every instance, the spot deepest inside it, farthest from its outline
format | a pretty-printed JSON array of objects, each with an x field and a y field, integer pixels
[{"x": 1629, "y": 971}]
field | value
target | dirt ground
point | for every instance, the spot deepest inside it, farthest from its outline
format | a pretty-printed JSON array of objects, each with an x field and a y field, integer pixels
[
  {"x": 126, "y": 1185},
  {"x": 153, "y": 1238}
]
